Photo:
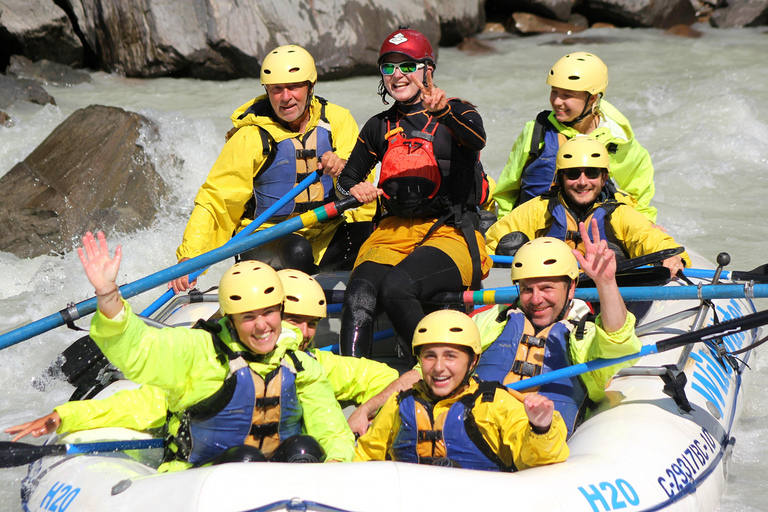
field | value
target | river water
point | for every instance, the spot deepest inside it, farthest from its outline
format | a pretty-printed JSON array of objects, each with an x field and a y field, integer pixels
[{"x": 700, "y": 106}]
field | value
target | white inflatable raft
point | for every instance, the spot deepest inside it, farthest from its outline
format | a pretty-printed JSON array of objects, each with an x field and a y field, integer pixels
[{"x": 640, "y": 450}]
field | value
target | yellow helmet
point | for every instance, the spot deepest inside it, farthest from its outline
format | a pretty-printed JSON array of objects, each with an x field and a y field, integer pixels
[
  {"x": 289, "y": 64},
  {"x": 447, "y": 326},
  {"x": 582, "y": 151},
  {"x": 544, "y": 257},
  {"x": 249, "y": 285},
  {"x": 303, "y": 294},
  {"x": 579, "y": 71}
]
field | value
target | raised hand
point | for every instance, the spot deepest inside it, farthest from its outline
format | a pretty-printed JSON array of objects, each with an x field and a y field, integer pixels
[
  {"x": 539, "y": 409},
  {"x": 598, "y": 261},
  {"x": 41, "y": 426},
  {"x": 100, "y": 268},
  {"x": 432, "y": 97}
]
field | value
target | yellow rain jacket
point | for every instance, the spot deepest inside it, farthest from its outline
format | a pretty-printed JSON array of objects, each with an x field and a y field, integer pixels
[
  {"x": 631, "y": 165},
  {"x": 220, "y": 203},
  {"x": 184, "y": 363},
  {"x": 502, "y": 423},
  {"x": 630, "y": 229},
  {"x": 596, "y": 343}
]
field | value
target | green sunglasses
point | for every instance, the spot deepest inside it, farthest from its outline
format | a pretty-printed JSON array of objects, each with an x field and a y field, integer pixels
[{"x": 406, "y": 68}]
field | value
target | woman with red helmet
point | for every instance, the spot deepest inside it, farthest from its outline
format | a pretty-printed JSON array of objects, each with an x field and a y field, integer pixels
[{"x": 430, "y": 185}]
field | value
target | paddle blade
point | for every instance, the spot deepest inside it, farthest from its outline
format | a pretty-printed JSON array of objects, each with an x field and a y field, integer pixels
[{"x": 21, "y": 454}]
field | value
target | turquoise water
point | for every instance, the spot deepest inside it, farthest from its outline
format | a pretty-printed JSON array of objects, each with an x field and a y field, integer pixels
[{"x": 698, "y": 105}]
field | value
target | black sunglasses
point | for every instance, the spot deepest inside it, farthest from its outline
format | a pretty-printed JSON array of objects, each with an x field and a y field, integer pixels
[{"x": 575, "y": 173}]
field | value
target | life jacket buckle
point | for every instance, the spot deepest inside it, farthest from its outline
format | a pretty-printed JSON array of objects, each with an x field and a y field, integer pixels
[
  {"x": 533, "y": 341},
  {"x": 268, "y": 401},
  {"x": 430, "y": 435},
  {"x": 263, "y": 430},
  {"x": 304, "y": 154},
  {"x": 526, "y": 369}
]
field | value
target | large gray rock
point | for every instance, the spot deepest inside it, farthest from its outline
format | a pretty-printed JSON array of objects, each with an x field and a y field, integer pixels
[
  {"x": 37, "y": 29},
  {"x": 13, "y": 90},
  {"x": 220, "y": 39},
  {"x": 460, "y": 19},
  {"x": 741, "y": 13},
  {"x": 46, "y": 72},
  {"x": 643, "y": 13},
  {"x": 89, "y": 174}
]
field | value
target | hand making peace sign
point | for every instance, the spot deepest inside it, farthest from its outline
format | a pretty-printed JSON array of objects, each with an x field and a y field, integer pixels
[{"x": 432, "y": 97}]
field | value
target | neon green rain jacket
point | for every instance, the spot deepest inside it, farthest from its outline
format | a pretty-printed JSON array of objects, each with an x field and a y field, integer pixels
[
  {"x": 595, "y": 344},
  {"x": 354, "y": 379},
  {"x": 631, "y": 165},
  {"x": 221, "y": 200},
  {"x": 184, "y": 363},
  {"x": 138, "y": 409}
]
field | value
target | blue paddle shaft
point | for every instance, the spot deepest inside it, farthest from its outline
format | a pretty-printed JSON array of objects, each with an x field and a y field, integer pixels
[
  {"x": 257, "y": 222},
  {"x": 114, "y": 446},
  {"x": 181, "y": 269}
]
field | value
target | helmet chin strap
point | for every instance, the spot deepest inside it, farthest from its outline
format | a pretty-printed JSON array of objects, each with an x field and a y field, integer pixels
[{"x": 584, "y": 113}]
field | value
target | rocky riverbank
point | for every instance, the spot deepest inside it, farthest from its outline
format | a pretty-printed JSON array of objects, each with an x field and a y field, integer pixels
[{"x": 220, "y": 39}]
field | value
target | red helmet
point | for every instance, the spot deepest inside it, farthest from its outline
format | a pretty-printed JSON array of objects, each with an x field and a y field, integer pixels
[{"x": 408, "y": 42}]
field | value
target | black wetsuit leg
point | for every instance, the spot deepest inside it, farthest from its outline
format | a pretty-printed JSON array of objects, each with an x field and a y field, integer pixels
[
  {"x": 344, "y": 246},
  {"x": 291, "y": 251},
  {"x": 359, "y": 309},
  {"x": 426, "y": 272}
]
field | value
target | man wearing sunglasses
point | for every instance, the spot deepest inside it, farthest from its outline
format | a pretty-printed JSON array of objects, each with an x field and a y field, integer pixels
[
  {"x": 278, "y": 139},
  {"x": 583, "y": 191}
]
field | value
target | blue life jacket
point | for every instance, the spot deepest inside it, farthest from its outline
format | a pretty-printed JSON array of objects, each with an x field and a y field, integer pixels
[
  {"x": 565, "y": 224},
  {"x": 281, "y": 170},
  {"x": 499, "y": 361},
  {"x": 464, "y": 444},
  {"x": 247, "y": 409},
  {"x": 539, "y": 172}
]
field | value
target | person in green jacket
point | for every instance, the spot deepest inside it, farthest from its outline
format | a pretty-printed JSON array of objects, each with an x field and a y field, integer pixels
[
  {"x": 232, "y": 383},
  {"x": 355, "y": 380},
  {"x": 578, "y": 82}
]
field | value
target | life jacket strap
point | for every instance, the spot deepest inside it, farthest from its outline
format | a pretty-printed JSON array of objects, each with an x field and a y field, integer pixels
[
  {"x": 526, "y": 369},
  {"x": 267, "y": 401},
  {"x": 430, "y": 435},
  {"x": 264, "y": 430},
  {"x": 304, "y": 154}
]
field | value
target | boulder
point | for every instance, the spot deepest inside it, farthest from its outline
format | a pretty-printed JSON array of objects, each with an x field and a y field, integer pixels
[
  {"x": 46, "y": 72},
  {"x": 459, "y": 20},
  {"x": 13, "y": 90},
  {"x": 741, "y": 13},
  {"x": 221, "y": 39},
  {"x": 90, "y": 173},
  {"x": 552, "y": 9},
  {"x": 5, "y": 119},
  {"x": 642, "y": 13},
  {"x": 527, "y": 23},
  {"x": 37, "y": 29}
]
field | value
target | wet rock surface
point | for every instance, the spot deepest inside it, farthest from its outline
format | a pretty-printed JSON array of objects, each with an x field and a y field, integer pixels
[
  {"x": 90, "y": 173},
  {"x": 13, "y": 90},
  {"x": 46, "y": 72}
]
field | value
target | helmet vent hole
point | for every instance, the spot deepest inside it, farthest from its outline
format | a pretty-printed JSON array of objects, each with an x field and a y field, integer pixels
[
  {"x": 595, "y": 155},
  {"x": 235, "y": 273},
  {"x": 235, "y": 297},
  {"x": 574, "y": 77},
  {"x": 517, "y": 264},
  {"x": 291, "y": 298},
  {"x": 550, "y": 262},
  {"x": 269, "y": 290},
  {"x": 567, "y": 156},
  {"x": 267, "y": 72},
  {"x": 293, "y": 70},
  {"x": 456, "y": 329},
  {"x": 423, "y": 329},
  {"x": 322, "y": 302}
]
